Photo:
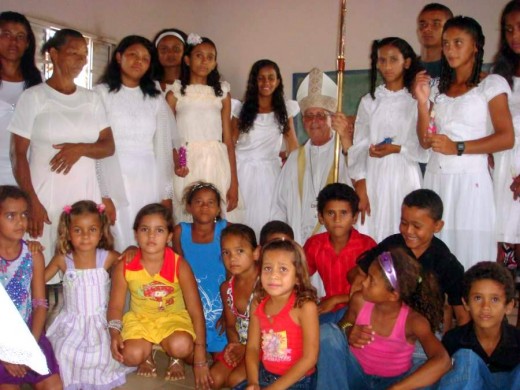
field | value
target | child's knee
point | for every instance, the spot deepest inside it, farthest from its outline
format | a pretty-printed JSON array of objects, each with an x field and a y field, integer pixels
[
  {"x": 134, "y": 355},
  {"x": 51, "y": 383},
  {"x": 178, "y": 344}
]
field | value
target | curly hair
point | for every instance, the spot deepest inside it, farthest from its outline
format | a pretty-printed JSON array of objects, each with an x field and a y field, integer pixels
[
  {"x": 470, "y": 26},
  {"x": 417, "y": 288},
  {"x": 213, "y": 77},
  {"x": 407, "y": 52},
  {"x": 250, "y": 107},
  {"x": 112, "y": 76},
  {"x": 158, "y": 70},
  {"x": 303, "y": 288},
  {"x": 30, "y": 73},
  {"x": 506, "y": 60},
  {"x": 63, "y": 243},
  {"x": 489, "y": 270}
]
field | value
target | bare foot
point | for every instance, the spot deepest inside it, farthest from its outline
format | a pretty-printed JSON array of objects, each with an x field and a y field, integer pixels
[
  {"x": 147, "y": 368},
  {"x": 175, "y": 370}
]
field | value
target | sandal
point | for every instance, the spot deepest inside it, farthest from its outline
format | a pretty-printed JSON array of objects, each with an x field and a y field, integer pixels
[
  {"x": 175, "y": 370},
  {"x": 148, "y": 368}
]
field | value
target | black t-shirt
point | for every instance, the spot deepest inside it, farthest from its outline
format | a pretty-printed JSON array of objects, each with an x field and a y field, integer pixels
[
  {"x": 506, "y": 355},
  {"x": 436, "y": 259},
  {"x": 433, "y": 68}
]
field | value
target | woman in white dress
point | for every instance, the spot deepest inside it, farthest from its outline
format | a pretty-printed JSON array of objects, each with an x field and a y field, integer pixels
[
  {"x": 17, "y": 73},
  {"x": 458, "y": 167},
  {"x": 141, "y": 171},
  {"x": 63, "y": 129},
  {"x": 384, "y": 157},
  {"x": 259, "y": 126},
  {"x": 170, "y": 44}
]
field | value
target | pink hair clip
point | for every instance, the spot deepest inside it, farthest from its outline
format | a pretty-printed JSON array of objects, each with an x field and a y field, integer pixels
[
  {"x": 100, "y": 208},
  {"x": 67, "y": 209}
]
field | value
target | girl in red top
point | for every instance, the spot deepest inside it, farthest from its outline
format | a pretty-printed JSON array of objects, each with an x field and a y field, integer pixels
[{"x": 283, "y": 338}]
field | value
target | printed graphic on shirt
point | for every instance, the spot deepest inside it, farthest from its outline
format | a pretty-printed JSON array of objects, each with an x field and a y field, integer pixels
[
  {"x": 274, "y": 346},
  {"x": 159, "y": 292}
]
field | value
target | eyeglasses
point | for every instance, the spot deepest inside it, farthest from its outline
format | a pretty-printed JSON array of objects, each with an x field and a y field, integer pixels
[
  {"x": 8, "y": 35},
  {"x": 322, "y": 116}
]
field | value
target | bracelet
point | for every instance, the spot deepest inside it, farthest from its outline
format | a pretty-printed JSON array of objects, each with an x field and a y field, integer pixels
[
  {"x": 116, "y": 325},
  {"x": 39, "y": 303},
  {"x": 200, "y": 364},
  {"x": 345, "y": 326}
]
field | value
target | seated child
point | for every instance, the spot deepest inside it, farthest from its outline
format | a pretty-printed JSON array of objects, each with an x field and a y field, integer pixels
[
  {"x": 486, "y": 351},
  {"x": 333, "y": 253},
  {"x": 283, "y": 337},
  {"x": 240, "y": 254},
  {"x": 421, "y": 218},
  {"x": 275, "y": 230},
  {"x": 398, "y": 305}
]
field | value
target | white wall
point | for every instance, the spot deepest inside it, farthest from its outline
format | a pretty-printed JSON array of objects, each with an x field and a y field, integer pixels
[{"x": 298, "y": 34}]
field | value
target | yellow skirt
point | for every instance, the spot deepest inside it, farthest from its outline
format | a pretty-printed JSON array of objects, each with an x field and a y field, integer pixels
[{"x": 155, "y": 330}]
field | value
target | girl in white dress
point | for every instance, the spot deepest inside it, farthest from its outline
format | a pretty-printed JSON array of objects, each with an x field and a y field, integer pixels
[
  {"x": 260, "y": 125},
  {"x": 384, "y": 157},
  {"x": 458, "y": 167},
  {"x": 202, "y": 107},
  {"x": 506, "y": 175},
  {"x": 170, "y": 44},
  {"x": 141, "y": 171},
  {"x": 17, "y": 73},
  {"x": 79, "y": 334}
]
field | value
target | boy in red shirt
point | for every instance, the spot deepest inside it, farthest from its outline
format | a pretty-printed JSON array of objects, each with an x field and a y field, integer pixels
[{"x": 333, "y": 253}]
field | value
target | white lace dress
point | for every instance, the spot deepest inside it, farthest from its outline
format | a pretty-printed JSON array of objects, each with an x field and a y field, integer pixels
[
  {"x": 464, "y": 182},
  {"x": 259, "y": 164},
  {"x": 141, "y": 171},
  {"x": 388, "y": 179},
  {"x": 507, "y": 166}
]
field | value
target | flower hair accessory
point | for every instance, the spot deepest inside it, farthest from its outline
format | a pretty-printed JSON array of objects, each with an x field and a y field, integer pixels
[
  {"x": 67, "y": 209},
  {"x": 194, "y": 39},
  {"x": 100, "y": 208},
  {"x": 387, "y": 265}
]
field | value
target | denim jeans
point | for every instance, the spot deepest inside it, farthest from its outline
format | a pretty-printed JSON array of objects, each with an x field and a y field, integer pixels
[
  {"x": 267, "y": 378},
  {"x": 469, "y": 372},
  {"x": 332, "y": 316}
]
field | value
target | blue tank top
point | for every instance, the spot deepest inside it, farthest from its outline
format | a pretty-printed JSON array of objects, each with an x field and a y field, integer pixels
[{"x": 207, "y": 266}]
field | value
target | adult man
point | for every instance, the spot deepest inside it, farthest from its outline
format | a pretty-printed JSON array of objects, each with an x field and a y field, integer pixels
[
  {"x": 430, "y": 22},
  {"x": 310, "y": 168}
]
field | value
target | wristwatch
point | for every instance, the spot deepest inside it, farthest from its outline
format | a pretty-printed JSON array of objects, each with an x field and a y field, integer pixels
[{"x": 460, "y": 148}]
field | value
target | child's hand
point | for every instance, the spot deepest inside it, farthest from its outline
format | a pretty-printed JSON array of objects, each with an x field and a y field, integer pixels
[
  {"x": 441, "y": 143},
  {"x": 181, "y": 171},
  {"x": 379, "y": 151},
  {"x": 203, "y": 379},
  {"x": 116, "y": 346},
  {"x": 110, "y": 210},
  {"x": 361, "y": 335},
  {"x": 326, "y": 305},
  {"x": 16, "y": 370},
  {"x": 421, "y": 88},
  {"x": 234, "y": 353},
  {"x": 128, "y": 254},
  {"x": 35, "y": 247},
  {"x": 232, "y": 197}
]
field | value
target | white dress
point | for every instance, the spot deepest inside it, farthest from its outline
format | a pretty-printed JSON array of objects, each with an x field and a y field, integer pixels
[
  {"x": 79, "y": 334},
  {"x": 47, "y": 117},
  {"x": 142, "y": 128},
  {"x": 9, "y": 94},
  {"x": 507, "y": 166},
  {"x": 464, "y": 182},
  {"x": 391, "y": 178},
  {"x": 199, "y": 121},
  {"x": 259, "y": 164}
]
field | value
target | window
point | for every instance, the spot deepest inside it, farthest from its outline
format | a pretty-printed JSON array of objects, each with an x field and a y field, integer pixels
[{"x": 99, "y": 52}]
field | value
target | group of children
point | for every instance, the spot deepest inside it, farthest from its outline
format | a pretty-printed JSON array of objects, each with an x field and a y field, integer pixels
[{"x": 246, "y": 315}]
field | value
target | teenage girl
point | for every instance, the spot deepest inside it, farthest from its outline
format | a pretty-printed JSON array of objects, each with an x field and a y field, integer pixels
[
  {"x": 260, "y": 125},
  {"x": 199, "y": 244},
  {"x": 170, "y": 44},
  {"x": 398, "y": 305},
  {"x": 84, "y": 257},
  {"x": 202, "y": 107},
  {"x": 506, "y": 176},
  {"x": 283, "y": 337},
  {"x": 21, "y": 274},
  {"x": 141, "y": 171},
  {"x": 165, "y": 306},
  {"x": 458, "y": 167},
  {"x": 240, "y": 255},
  {"x": 384, "y": 158}
]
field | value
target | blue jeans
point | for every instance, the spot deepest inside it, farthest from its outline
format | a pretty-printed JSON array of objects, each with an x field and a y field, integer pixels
[
  {"x": 267, "y": 378},
  {"x": 469, "y": 372},
  {"x": 333, "y": 316},
  {"x": 339, "y": 369}
]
